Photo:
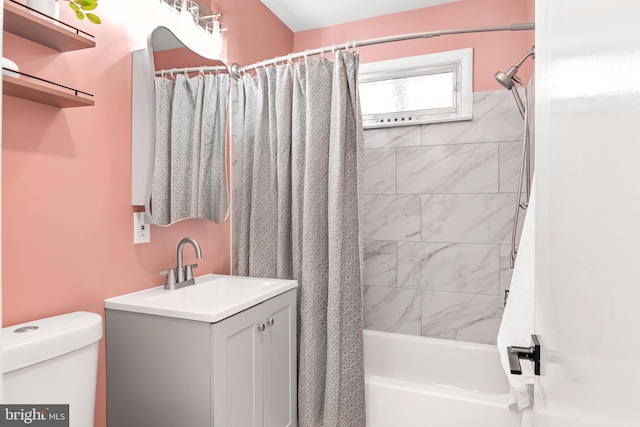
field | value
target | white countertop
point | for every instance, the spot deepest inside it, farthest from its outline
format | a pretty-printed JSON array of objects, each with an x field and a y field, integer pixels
[{"x": 214, "y": 297}]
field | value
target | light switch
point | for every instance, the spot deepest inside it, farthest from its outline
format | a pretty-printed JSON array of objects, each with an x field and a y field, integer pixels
[{"x": 141, "y": 230}]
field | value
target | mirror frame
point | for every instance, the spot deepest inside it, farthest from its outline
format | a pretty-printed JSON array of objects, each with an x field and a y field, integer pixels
[{"x": 143, "y": 126}]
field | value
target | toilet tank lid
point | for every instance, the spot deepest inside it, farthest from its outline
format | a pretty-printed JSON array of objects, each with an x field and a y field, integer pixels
[{"x": 53, "y": 337}]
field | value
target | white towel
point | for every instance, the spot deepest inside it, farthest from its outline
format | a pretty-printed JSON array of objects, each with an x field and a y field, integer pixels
[{"x": 518, "y": 322}]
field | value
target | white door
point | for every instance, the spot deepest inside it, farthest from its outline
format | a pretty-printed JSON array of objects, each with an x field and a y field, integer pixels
[{"x": 588, "y": 212}]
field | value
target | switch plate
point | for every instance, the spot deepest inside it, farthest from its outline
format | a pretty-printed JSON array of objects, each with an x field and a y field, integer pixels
[{"x": 141, "y": 230}]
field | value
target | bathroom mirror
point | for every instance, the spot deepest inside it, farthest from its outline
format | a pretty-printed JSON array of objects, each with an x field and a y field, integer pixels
[{"x": 186, "y": 175}]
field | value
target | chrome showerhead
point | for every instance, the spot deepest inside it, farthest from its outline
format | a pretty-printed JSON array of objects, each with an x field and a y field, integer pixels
[{"x": 506, "y": 79}]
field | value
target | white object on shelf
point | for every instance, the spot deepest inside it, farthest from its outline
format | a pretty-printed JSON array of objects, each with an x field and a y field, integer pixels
[
  {"x": 7, "y": 63},
  {"x": 50, "y": 8}
]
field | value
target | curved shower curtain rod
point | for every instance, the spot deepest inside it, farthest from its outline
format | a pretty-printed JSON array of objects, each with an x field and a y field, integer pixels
[{"x": 237, "y": 70}]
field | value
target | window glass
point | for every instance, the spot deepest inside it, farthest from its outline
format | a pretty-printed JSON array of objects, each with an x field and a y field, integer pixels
[
  {"x": 419, "y": 89},
  {"x": 408, "y": 94}
]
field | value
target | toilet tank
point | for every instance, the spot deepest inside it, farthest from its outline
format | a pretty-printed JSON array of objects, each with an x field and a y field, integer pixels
[{"x": 54, "y": 361}]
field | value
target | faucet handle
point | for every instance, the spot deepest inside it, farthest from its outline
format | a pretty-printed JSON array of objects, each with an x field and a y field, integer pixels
[
  {"x": 171, "y": 276},
  {"x": 188, "y": 271}
]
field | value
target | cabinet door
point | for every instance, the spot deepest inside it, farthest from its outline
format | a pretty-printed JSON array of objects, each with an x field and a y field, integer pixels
[
  {"x": 280, "y": 361},
  {"x": 158, "y": 371},
  {"x": 237, "y": 370}
]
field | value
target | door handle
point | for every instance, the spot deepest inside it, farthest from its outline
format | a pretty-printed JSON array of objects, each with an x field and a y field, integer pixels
[{"x": 529, "y": 353}]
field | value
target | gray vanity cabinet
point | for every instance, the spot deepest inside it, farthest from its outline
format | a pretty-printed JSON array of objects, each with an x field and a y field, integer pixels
[{"x": 238, "y": 372}]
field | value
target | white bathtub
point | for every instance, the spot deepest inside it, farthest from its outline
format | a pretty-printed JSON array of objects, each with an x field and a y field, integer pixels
[{"x": 427, "y": 382}]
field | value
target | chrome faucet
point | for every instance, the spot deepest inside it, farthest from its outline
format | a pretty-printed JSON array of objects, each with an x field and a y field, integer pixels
[{"x": 185, "y": 273}]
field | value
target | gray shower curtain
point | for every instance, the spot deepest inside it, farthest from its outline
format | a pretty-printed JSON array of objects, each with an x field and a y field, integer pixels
[
  {"x": 190, "y": 174},
  {"x": 300, "y": 155}
]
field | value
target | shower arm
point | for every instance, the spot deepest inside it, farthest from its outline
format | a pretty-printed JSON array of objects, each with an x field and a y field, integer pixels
[{"x": 531, "y": 53}]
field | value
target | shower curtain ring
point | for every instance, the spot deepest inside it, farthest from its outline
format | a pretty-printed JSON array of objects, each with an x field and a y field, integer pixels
[
  {"x": 289, "y": 60},
  {"x": 322, "y": 52},
  {"x": 305, "y": 53}
]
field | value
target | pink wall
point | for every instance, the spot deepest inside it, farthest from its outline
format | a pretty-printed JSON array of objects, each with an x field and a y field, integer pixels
[
  {"x": 254, "y": 32},
  {"x": 67, "y": 218},
  {"x": 531, "y": 9},
  {"x": 531, "y": 16},
  {"x": 492, "y": 51}
]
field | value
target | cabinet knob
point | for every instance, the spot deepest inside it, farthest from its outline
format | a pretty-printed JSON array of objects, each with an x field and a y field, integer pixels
[
  {"x": 271, "y": 321},
  {"x": 261, "y": 327}
]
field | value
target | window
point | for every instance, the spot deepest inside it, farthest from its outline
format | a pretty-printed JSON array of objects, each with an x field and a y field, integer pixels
[{"x": 419, "y": 89}]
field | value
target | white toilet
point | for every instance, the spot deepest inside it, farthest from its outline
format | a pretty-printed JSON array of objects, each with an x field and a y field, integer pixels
[{"x": 54, "y": 361}]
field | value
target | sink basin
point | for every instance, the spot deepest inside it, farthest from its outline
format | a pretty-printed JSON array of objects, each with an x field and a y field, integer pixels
[{"x": 214, "y": 297}]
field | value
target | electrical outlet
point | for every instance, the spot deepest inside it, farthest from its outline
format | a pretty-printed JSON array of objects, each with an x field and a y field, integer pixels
[{"x": 141, "y": 230}]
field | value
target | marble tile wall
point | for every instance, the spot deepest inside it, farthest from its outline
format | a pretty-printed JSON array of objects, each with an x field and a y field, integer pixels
[{"x": 438, "y": 216}]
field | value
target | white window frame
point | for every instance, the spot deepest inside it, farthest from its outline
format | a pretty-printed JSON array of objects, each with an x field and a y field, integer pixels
[{"x": 460, "y": 62}]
